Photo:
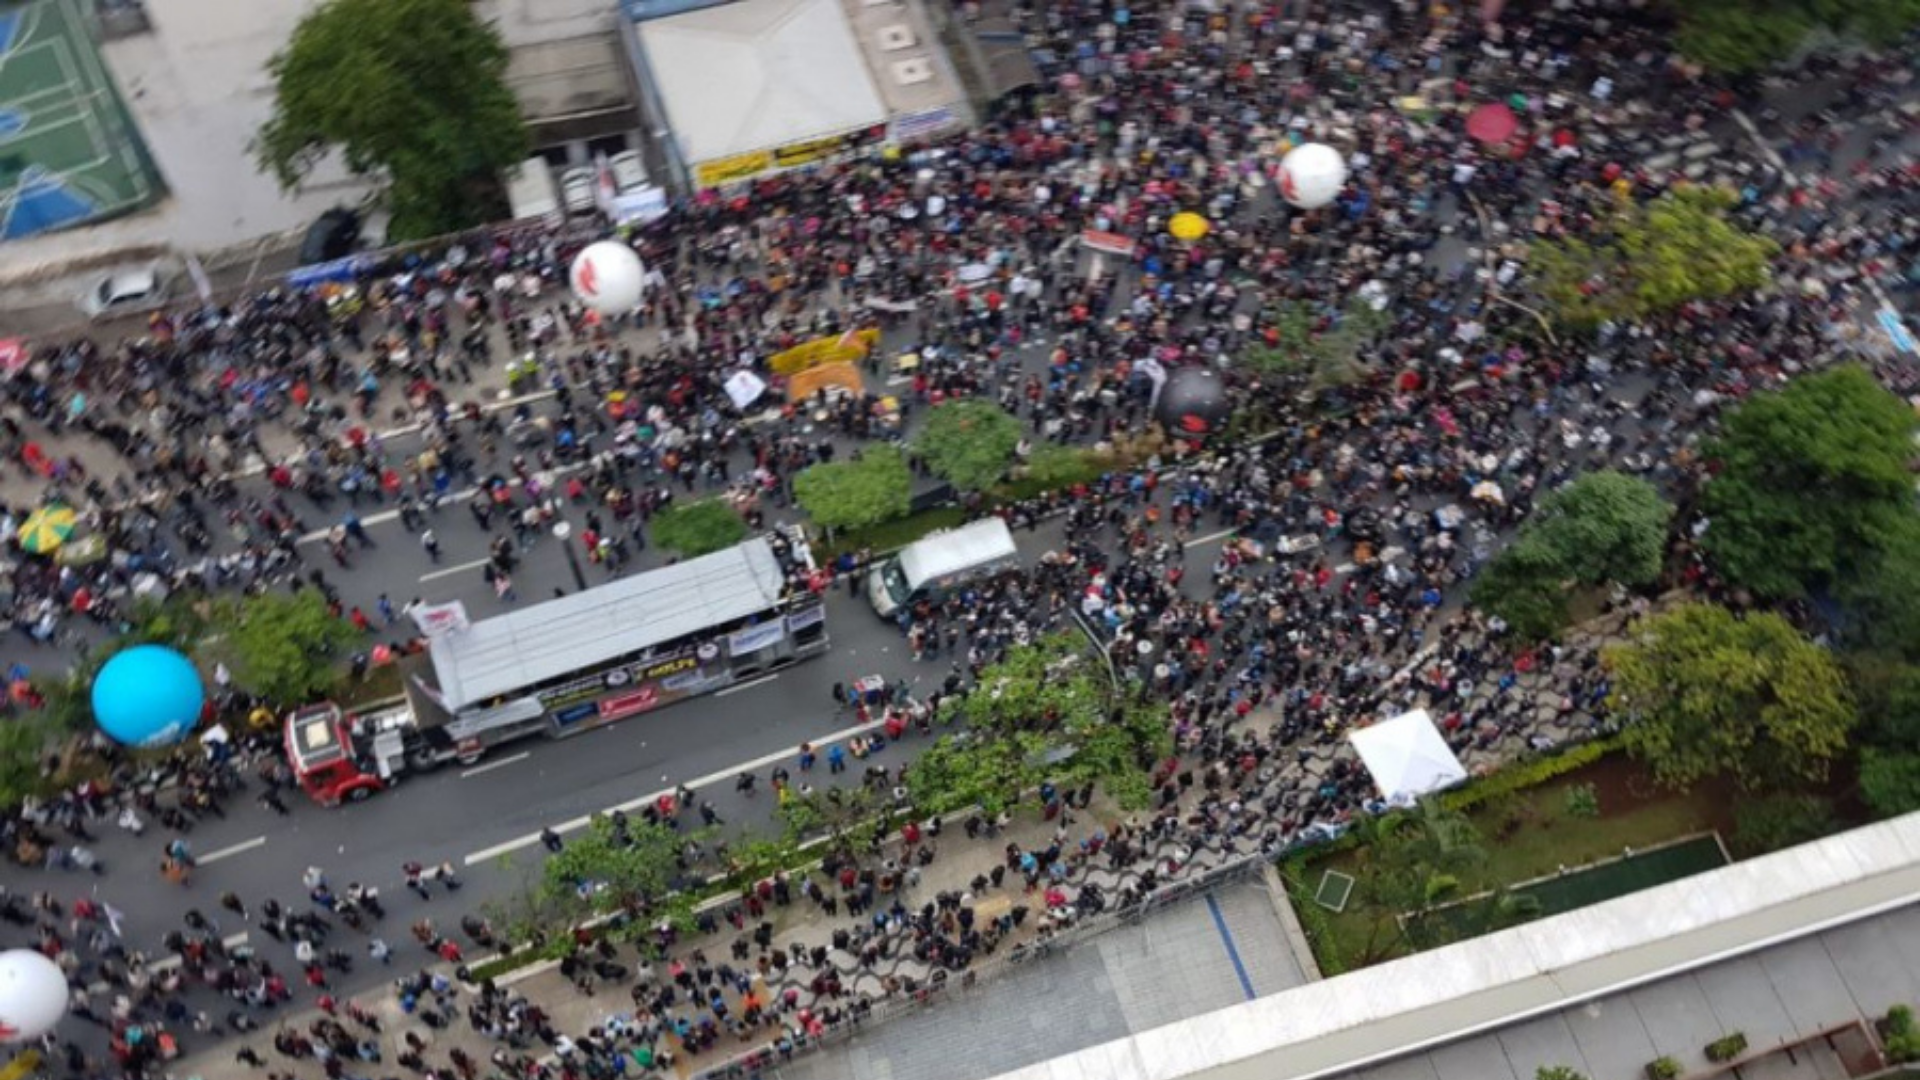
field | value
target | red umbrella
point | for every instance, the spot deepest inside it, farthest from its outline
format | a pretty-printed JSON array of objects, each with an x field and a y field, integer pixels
[{"x": 1493, "y": 122}]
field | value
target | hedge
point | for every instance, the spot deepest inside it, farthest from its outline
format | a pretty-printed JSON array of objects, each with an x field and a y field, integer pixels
[{"x": 1532, "y": 773}]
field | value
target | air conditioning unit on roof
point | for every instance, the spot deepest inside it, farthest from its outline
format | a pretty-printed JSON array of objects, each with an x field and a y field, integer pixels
[{"x": 895, "y": 37}]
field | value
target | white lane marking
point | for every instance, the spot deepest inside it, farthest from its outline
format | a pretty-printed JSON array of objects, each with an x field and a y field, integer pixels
[
  {"x": 452, "y": 570},
  {"x": 230, "y": 852},
  {"x": 1211, "y": 537},
  {"x": 748, "y": 685},
  {"x": 727, "y": 774},
  {"x": 501, "y": 764}
]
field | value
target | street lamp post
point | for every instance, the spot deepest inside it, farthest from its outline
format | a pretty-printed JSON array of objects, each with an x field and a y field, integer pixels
[{"x": 561, "y": 531}]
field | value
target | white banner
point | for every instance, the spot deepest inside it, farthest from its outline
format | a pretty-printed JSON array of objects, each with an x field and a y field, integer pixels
[
  {"x": 754, "y": 638},
  {"x": 436, "y": 620}
]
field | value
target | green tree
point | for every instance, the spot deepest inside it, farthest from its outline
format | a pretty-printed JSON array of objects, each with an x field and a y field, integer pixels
[
  {"x": 1812, "y": 483},
  {"x": 851, "y": 818},
  {"x": 871, "y": 487},
  {"x": 1407, "y": 863},
  {"x": 1737, "y": 36},
  {"x": 968, "y": 770},
  {"x": 1646, "y": 258},
  {"x": 1771, "y": 822},
  {"x": 23, "y": 742},
  {"x": 968, "y": 442},
  {"x": 1604, "y": 527},
  {"x": 604, "y": 870},
  {"x": 1526, "y": 587},
  {"x": 282, "y": 647},
  {"x": 1324, "y": 349},
  {"x": 1704, "y": 691},
  {"x": 1890, "y": 780},
  {"x": 697, "y": 528},
  {"x": 413, "y": 91}
]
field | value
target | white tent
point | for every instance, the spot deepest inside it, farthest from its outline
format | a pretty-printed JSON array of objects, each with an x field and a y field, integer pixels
[
  {"x": 759, "y": 74},
  {"x": 1407, "y": 757}
]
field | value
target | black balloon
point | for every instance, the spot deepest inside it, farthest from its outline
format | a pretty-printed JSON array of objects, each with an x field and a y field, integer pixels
[{"x": 1193, "y": 403}]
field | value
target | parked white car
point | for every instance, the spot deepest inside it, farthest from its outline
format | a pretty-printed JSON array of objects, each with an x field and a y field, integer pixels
[{"x": 124, "y": 292}]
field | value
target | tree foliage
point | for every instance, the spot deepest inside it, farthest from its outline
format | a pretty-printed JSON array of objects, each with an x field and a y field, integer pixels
[
  {"x": 412, "y": 90},
  {"x": 1704, "y": 691},
  {"x": 851, "y": 818},
  {"x": 23, "y": 742},
  {"x": 608, "y": 868},
  {"x": 1322, "y": 347},
  {"x": 1736, "y": 36},
  {"x": 968, "y": 443},
  {"x": 1646, "y": 258},
  {"x": 282, "y": 647},
  {"x": 1812, "y": 483},
  {"x": 1043, "y": 712},
  {"x": 1604, "y": 527},
  {"x": 1890, "y": 780},
  {"x": 871, "y": 487},
  {"x": 699, "y": 527},
  {"x": 1407, "y": 863}
]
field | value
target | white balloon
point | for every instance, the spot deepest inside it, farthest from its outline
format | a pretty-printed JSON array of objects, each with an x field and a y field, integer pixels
[
  {"x": 33, "y": 995},
  {"x": 1311, "y": 175},
  {"x": 608, "y": 277}
]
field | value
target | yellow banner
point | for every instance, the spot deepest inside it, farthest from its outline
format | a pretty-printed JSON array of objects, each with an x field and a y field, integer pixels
[
  {"x": 726, "y": 170},
  {"x": 809, "y": 151},
  {"x": 826, "y": 350}
]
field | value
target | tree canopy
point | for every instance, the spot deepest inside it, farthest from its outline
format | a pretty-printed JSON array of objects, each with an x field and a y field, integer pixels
[
  {"x": 607, "y": 868},
  {"x": 1736, "y": 36},
  {"x": 1322, "y": 346},
  {"x": 697, "y": 528},
  {"x": 412, "y": 90},
  {"x": 283, "y": 647},
  {"x": 871, "y": 487},
  {"x": 1407, "y": 862},
  {"x": 1044, "y": 712},
  {"x": 968, "y": 443},
  {"x": 1812, "y": 482},
  {"x": 1603, "y": 527},
  {"x": 1704, "y": 692},
  {"x": 1646, "y": 258}
]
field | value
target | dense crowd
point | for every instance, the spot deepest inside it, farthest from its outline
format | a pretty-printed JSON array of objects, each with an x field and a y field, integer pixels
[{"x": 1336, "y": 603}]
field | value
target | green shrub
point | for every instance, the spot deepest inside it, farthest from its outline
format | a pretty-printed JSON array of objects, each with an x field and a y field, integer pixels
[
  {"x": 1663, "y": 1068},
  {"x": 1558, "y": 1072},
  {"x": 1771, "y": 822},
  {"x": 1902, "y": 1041},
  {"x": 1727, "y": 1047},
  {"x": 1583, "y": 801}
]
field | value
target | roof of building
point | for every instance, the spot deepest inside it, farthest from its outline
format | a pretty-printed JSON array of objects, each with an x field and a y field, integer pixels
[
  {"x": 576, "y": 632},
  {"x": 759, "y": 74}
]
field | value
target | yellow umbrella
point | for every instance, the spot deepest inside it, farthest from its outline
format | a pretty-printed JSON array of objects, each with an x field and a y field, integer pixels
[
  {"x": 46, "y": 529},
  {"x": 1187, "y": 225}
]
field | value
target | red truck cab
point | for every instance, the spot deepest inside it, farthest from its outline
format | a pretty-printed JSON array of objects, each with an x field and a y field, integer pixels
[{"x": 321, "y": 750}]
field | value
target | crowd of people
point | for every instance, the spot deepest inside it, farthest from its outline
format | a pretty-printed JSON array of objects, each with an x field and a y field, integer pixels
[{"x": 238, "y": 429}]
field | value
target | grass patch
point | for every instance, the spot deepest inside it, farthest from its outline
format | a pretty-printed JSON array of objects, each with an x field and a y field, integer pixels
[
  {"x": 895, "y": 534},
  {"x": 1533, "y": 833}
]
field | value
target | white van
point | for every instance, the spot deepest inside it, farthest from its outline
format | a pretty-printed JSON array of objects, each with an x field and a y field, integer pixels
[{"x": 929, "y": 568}]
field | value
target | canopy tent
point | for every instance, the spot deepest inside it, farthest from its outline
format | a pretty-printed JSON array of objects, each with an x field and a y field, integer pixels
[
  {"x": 759, "y": 74},
  {"x": 1407, "y": 756}
]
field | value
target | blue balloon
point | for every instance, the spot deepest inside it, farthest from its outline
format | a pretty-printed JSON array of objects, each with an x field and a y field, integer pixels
[{"x": 148, "y": 695}]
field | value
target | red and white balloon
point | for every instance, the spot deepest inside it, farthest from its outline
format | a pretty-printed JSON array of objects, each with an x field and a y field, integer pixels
[
  {"x": 33, "y": 995},
  {"x": 1311, "y": 175},
  {"x": 608, "y": 277}
]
